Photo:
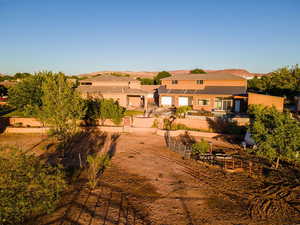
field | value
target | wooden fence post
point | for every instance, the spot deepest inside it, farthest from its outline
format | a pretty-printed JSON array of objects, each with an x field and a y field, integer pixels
[{"x": 250, "y": 168}]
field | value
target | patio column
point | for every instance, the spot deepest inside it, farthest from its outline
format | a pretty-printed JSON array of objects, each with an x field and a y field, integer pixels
[{"x": 145, "y": 102}]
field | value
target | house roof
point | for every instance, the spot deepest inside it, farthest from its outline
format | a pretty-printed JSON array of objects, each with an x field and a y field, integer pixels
[
  {"x": 206, "y": 76},
  {"x": 149, "y": 88},
  {"x": 107, "y": 77},
  {"x": 217, "y": 90},
  {"x": 110, "y": 90}
]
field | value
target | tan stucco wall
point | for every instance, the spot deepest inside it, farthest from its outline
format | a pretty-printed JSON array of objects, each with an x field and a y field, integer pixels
[
  {"x": 192, "y": 84},
  {"x": 131, "y": 84},
  {"x": 135, "y": 101},
  {"x": 195, "y": 100},
  {"x": 266, "y": 100},
  {"x": 32, "y": 122}
]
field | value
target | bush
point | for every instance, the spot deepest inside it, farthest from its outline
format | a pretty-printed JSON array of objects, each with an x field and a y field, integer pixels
[
  {"x": 133, "y": 113},
  {"x": 155, "y": 123},
  {"x": 201, "y": 147},
  {"x": 96, "y": 163},
  {"x": 28, "y": 187},
  {"x": 167, "y": 124},
  {"x": 182, "y": 110}
]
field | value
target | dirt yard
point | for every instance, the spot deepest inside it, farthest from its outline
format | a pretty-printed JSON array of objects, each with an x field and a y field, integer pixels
[{"x": 148, "y": 184}]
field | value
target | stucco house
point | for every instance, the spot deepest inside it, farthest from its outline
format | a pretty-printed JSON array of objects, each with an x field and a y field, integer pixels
[
  {"x": 127, "y": 91},
  {"x": 209, "y": 92},
  {"x": 214, "y": 92}
]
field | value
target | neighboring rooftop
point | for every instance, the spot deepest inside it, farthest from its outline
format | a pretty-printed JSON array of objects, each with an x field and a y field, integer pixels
[
  {"x": 206, "y": 76},
  {"x": 218, "y": 90},
  {"x": 107, "y": 77},
  {"x": 110, "y": 90}
]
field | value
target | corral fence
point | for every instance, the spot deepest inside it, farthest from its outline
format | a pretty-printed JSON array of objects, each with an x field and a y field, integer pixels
[{"x": 224, "y": 161}]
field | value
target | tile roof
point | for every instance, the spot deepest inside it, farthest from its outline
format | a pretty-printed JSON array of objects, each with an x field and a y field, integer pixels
[
  {"x": 110, "y": 90},
  {"x": 225, "y": 90},
  {"x": 107, "y": 77},
  {"x": 206, "y": 76}
]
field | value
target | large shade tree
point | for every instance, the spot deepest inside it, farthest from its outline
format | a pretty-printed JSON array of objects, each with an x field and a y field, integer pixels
[
  {"x": 62, "y": 106},
  {"x": 276, "y": 134},
  {"x": 197, "y": 71},
  {"x": 282, "y": 82},
  {"x": 160, "y": 75},
  {"x": 26, "y": 95}
]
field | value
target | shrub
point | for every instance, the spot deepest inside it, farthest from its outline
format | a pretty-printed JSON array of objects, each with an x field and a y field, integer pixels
[
  {"x": 167, "y": 124},
  {"x": 201, "y": 147},
  {"x": 133, "y": 113},
  {"x": 155, "y": 124},
  {"x": 96, "y": 163},
  {"x": 28, "y": 187},
  {"x": 182, "y": 110}
]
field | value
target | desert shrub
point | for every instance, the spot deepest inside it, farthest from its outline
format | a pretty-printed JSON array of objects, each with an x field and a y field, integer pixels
[
  {"x": 96, "y": 163},
  {"x": 28, "y": 187},
  {"x": 133, "y": 113},
  {"x": 167, "y": 124},
  {"x": 182, "y": 110},
  {"x": 200, "y": 147},
  {"x": 155, "y": 123}
]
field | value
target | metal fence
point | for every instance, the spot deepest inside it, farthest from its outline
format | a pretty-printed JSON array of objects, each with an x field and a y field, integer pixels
[{"x": 224, "y": 161}]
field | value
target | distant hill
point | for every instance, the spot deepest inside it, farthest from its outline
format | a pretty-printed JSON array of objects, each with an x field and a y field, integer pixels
[{"x": 146, "y": 74}]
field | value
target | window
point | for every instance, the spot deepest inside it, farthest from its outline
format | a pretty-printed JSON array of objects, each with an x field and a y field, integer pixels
[
  {"x": 199, "y": 81},
  {"x": 174, "y": 81},
  {"x": 86, "y": 83},
  {"x": 203, "y": 102},
  {"x": 223, "y": 104}
]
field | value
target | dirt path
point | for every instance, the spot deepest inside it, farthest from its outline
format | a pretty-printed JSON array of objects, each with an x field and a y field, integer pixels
[{"x": 148, "y": 184}]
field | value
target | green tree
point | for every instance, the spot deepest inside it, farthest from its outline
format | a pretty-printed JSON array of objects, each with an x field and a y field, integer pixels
[
  {"x": 28, "y": 187},
  {"x": 146, "y": 81},
  {"x": 197, "y": 71},
  {"x": 26, "y": 95},
  {"x": 3, "y": 91},
  {"x": 282, "y": 82},
  {"x": 62, "y": 106},
  {"x": 22, "y": 75},
  {"x": 276, "y": 134},
  {"x": 161, "y": 75},
  {"x": 110, "y": 109},
  {"x": 6, "y": 77}
]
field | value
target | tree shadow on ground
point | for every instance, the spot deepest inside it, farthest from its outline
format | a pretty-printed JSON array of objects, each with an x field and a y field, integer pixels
[
  {"x": 74, "y": 162},
  {"x": 4, "y": 122},
  {"x": 230, "y": 130}
]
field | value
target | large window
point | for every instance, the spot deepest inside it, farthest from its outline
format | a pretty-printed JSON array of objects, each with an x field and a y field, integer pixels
[
  {"x": 203, "y": 102},
  {"x": 199, "y": 81},
  {"x": 223, "y": 104},
  {"x": 174, "y": 81}
]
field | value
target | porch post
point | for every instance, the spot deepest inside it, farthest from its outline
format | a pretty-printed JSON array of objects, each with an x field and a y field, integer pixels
[{"x": 145, "y": 102}]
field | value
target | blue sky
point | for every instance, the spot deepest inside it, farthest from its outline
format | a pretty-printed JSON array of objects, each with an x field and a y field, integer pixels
[{"x": 78, "y": 36}]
